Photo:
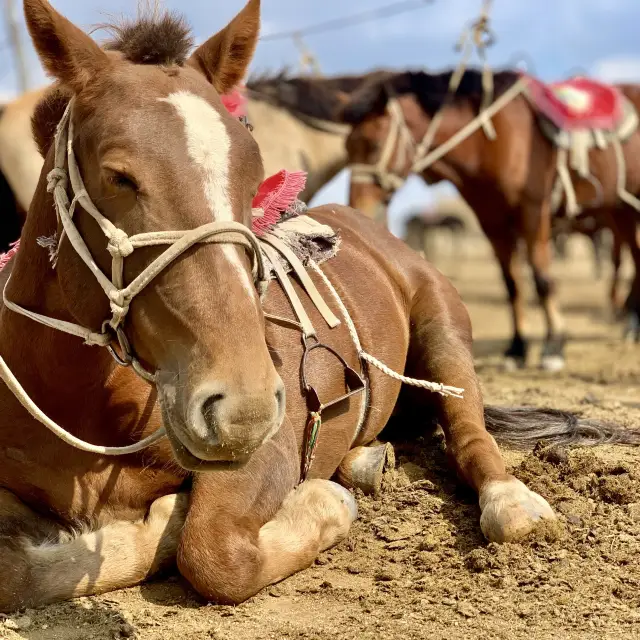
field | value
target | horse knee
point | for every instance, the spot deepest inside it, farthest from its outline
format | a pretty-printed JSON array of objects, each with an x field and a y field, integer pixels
[{"x": 222, "y": 569}]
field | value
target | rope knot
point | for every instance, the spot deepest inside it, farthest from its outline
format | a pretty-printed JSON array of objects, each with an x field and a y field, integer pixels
[
  {"x": 56, "y": 177},
  {"x": 119, "y": 308},
  {"x": 119, "y": 244}
]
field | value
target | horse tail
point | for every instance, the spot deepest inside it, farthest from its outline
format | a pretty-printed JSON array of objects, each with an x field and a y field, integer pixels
[{"x": 523, "y": 427}]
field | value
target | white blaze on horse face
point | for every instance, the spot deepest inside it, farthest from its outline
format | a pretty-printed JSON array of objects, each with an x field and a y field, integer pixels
[{"x": 209, "y": 147}]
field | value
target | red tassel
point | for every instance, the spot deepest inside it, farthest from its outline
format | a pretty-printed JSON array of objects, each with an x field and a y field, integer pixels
[
  {"x": 6, "y": 257},
  {"x": 275, "y": 195}
]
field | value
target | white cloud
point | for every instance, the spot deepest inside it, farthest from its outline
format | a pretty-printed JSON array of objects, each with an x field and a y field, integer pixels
[{"x": 617, "y": 69}]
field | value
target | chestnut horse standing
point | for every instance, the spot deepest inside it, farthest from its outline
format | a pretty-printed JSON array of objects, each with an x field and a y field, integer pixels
[
  {"x": 508, "y": 181},
  {"x": 153, "y": 156}
]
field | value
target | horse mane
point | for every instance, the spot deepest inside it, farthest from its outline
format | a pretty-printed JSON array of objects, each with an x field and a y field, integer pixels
[
  {"x": 431, "y": 91},
  {"x": 155, "y": 37},
  {"x": 307, "y": 95}
]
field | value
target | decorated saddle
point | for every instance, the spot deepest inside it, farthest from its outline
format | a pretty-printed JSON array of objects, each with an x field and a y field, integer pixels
[
  {"x": 578, "y": 103},
  {"x": 578, "y": 115}
]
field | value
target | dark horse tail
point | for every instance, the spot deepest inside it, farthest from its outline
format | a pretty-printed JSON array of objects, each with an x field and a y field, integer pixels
[{"x": 523, "y": 427}]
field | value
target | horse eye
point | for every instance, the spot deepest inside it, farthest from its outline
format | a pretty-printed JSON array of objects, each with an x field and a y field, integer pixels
[{"x": 122, "y": 181}]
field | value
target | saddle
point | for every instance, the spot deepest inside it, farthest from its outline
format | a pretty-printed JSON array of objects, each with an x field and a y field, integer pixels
[{"x": 578, "y": 115}]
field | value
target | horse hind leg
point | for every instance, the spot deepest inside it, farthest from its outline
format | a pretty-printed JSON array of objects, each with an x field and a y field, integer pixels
[
  {"x": 363, "y": 467},
  {"x": 536, "y": 236},
  {"x": 41, "y": 563},
  {"x": 505, "y": 246}
]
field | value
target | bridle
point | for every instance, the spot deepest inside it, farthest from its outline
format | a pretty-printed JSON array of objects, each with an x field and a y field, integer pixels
[
  {"x": 120, "y": 246},
  {"x": 417, "y": 154},
  {"x": 389, "y": 175}
]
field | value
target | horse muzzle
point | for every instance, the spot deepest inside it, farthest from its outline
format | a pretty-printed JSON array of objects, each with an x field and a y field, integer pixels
[{"x": 216, "y": 423}]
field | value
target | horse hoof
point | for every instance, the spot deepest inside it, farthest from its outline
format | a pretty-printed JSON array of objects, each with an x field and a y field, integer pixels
[
  {"x": 363, "y": 467},
  {"x": 346, "y": 498},
  {"x": 510, "y": 511},
  {"x": 552, "y": 363},
  {"x": 513, "y": 363}
]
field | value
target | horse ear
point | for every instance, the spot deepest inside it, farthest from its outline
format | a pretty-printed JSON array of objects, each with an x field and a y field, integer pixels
[
  {"x": 225, "y": 57},
  {"x": 66, "y": 52}
]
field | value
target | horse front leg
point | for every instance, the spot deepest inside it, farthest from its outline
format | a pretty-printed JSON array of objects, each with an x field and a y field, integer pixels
[
  {"x": 43, "y": 562},
  {"x": 440, "y": 350},
  {"x": 253, "y": 527}
]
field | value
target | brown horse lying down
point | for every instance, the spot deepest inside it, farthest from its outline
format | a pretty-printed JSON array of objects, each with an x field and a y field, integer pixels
[{"x": 158, "y": 153}]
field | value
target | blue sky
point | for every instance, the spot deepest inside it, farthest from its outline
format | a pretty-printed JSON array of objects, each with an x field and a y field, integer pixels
[{"x": 554, "y": 37}]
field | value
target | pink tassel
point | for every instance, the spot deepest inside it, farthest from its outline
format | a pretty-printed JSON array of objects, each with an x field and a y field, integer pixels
[
  {"x": 275, "y": 195},
  {"x": 6, "y": 257}
]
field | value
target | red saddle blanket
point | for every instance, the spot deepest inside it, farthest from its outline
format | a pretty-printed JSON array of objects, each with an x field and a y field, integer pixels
[{"x": 579, "y": 103}]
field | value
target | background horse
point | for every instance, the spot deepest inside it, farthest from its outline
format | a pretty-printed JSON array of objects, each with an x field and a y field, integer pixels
[
  {"x": 423, "y": 225},
  {"x": 508, "y": 182},
  {"x": 159, "y": 154},
  {"x": 20, "y": 165}
]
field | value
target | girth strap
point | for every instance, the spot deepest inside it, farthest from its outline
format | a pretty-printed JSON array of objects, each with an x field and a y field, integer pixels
[{"x": 303, "y": 276}]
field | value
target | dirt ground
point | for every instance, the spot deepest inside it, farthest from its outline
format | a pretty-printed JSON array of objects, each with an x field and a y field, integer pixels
[{"x": 415, "y": 564}]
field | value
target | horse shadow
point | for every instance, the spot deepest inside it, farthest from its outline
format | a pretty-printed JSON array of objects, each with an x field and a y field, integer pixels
[{"x": 457, "y": 504}]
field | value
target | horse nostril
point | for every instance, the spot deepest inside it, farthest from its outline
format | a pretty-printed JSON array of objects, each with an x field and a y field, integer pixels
[{"x": 209, "y": 408}]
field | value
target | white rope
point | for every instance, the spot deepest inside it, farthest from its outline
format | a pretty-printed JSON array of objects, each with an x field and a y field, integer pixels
[
  {"x": 24, "y": 399},
  {"x": 436, "y": 387},
  {"x": 120, "y": 245},
  {"x": 513, "y": 92}
]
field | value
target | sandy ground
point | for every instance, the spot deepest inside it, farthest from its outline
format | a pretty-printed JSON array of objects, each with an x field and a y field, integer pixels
[{"x": 415, "y": 564}]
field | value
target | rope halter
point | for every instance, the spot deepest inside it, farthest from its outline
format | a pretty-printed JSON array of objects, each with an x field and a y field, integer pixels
[
  {"x": 120, "y": 246},
  {"x": 386, "y": 175}
]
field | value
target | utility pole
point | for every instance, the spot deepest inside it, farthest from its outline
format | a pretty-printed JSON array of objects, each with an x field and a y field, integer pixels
[
  {"x": 308, "y": 62},
  {"x": 15, "y": 40}
]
